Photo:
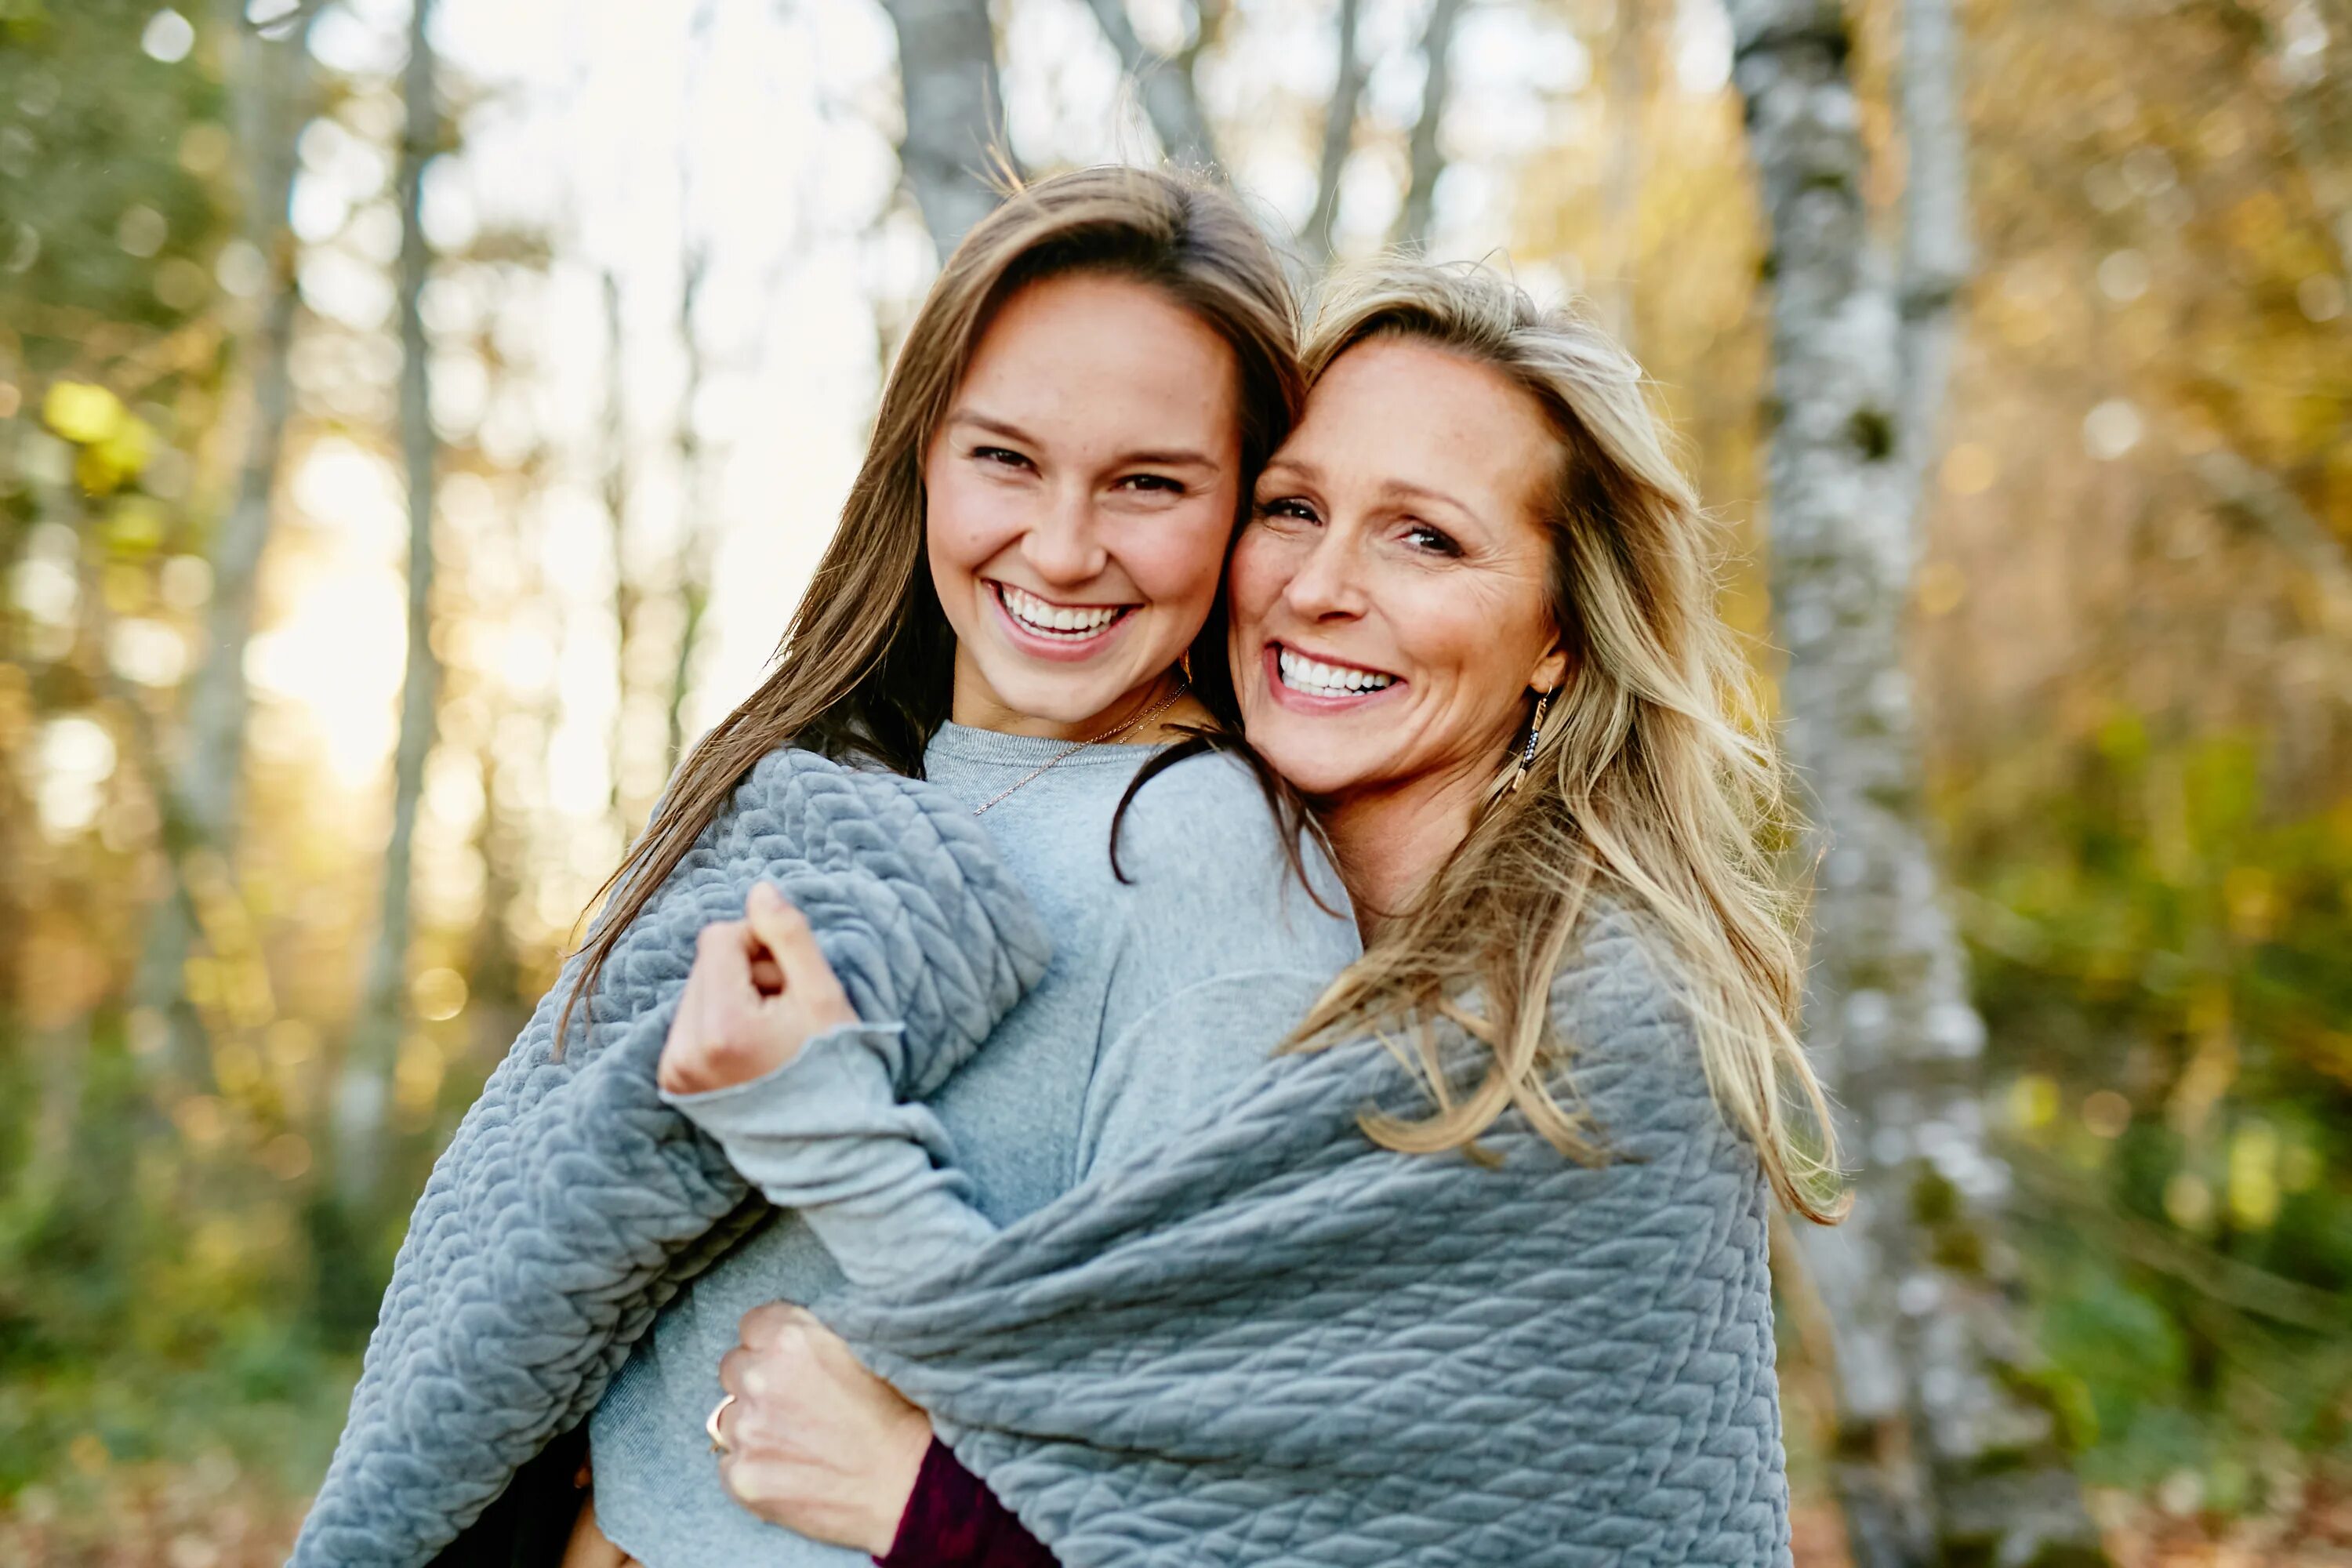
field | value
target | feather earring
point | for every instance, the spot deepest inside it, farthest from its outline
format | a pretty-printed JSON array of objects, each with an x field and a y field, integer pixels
[{"x": 1534, "y": 735}]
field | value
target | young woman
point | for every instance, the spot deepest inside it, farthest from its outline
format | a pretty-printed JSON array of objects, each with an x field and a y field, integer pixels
[
  {"x": 1473, "y": 621},
  {"x": 1014, "y": 608}
]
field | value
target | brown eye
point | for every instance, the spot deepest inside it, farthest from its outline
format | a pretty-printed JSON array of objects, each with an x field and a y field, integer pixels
[{"x": 1435, "y": 541}]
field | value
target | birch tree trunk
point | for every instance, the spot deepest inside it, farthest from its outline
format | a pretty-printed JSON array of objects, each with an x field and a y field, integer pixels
[
  {"x": 1939, "y": 1458},
  {"x": 1424, "y": 158},
  {"x": 269, "y": 97},
  {"x": 364, "y": 1091},
  {"x": 954, "y": 111},
  {"x": 1170, "y": 102},
  {"x": 1339, "y": 135}
]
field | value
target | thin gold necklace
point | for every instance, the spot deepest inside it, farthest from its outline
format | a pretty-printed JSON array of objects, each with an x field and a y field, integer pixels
[{"x": 1076, "y": 746}]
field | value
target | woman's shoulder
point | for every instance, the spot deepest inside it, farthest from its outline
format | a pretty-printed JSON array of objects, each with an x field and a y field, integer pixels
[
  {"x": 1205, "y": 829},
  {"x": 1623, "y": 1006}
]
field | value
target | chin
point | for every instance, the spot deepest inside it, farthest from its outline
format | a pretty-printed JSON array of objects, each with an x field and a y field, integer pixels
[
  {"x": 1057, "y": 699},
  {"x": 1306, "y": 767}
]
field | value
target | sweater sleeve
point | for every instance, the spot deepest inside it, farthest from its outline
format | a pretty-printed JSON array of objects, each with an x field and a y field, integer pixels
[
  {"x": 825, "y": 1134},
  {"x": 953, "y": 1521}
]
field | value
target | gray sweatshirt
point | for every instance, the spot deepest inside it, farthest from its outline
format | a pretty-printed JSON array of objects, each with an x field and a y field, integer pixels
[{"x": 1163, "y": 992}]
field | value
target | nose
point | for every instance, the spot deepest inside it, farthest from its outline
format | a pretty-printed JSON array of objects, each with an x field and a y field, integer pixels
[
  {"x": 1063, "y": 546},
  {"x": 1326, "y": 585}
]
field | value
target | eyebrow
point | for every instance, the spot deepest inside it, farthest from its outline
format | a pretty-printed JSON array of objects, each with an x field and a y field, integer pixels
[
  {"x": 1157, "y": 457},
  {"x": 1394, "y": 489},
  {"x": 1390, "y": 489}
]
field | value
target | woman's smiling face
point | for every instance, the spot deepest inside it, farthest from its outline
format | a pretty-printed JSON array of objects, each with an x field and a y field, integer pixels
[
  {"x": 1391, "y": 597},
  {"x": 1079, "y": 497}
]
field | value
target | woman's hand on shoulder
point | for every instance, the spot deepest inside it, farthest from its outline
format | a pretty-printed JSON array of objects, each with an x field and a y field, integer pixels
[
  {"x": 759, "y": 991},
  {"x": 813, "y": 1440}
]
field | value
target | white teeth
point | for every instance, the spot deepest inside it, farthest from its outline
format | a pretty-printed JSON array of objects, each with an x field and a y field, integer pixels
[
  {"x": 1044, "y": 616},
  {"x": 1315, "y": 678}
]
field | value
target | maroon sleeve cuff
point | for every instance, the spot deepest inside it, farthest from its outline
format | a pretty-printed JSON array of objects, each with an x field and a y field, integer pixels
[{"x": 953, "y": 1521}]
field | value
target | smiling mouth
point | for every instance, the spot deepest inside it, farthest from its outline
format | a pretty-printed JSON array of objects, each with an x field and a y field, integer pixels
[
  {"x": 1057, "y": 623},
  {"x": 1320, "y": 677}
]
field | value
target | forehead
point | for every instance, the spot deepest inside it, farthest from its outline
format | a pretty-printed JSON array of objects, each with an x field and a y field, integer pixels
[
  {"x": 1090, "y": 351},
  {"x": 1399, "y": 410}
]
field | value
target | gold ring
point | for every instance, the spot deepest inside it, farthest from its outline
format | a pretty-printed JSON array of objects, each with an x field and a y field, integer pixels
[{"x": 717, "y": 1443}]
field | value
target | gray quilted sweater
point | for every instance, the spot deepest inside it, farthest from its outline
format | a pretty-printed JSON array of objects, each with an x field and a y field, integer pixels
[{"x": 1265, "y": 1341}]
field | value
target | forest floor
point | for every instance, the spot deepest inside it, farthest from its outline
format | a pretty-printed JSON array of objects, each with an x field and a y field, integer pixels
[{"x": 207, "y": 1515}]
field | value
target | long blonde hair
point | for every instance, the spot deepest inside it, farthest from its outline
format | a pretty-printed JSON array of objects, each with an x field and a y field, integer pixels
[
  {"x": 867, "y": 665},
  {"x": 1645, "y": 788}
]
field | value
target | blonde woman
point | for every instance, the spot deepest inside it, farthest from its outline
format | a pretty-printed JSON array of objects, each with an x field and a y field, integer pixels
[{"x": 1473, "y": 622}]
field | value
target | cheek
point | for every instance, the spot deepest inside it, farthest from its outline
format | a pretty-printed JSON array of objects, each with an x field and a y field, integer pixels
[
  {"x": 1254, "y": 580},
  {"x": 1177, "y": 558},
  {"x": 1487, "y": 640},
  {"x": 966, "y": 522}
]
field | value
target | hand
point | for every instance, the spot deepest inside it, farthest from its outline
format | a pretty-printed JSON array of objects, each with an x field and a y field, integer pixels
[
  {"x": 813, "y": 1441},
  {"x": 759, "y": 991}
]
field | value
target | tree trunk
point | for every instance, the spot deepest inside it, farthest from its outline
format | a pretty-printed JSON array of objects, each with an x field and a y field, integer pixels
[
  {"x": 695, "y": 538},
  {"x": 954, "y": 111},
  {"x": 268, "y": 77},
  {"x": 1621, "y": 188},
  {"x": 1425, "y": 158},
  {"x": 1170, "y": 102},
  {"x": 1936, "y": 256},
  {"x": 1339, "y": 135},
  {"x": 614, "y": 488},
  {"x": 1939, "y": 1458},
  {"x": 362, "y": 1096}
]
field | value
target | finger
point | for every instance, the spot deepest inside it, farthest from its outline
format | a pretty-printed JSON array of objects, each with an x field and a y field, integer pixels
[
  {"x": 724, "y": 960},
  {"x": 681, "y": 1046},
  {"x": 753, "y": 1481},
  {"x": 764, "y": 1325},
  {"x": 766, "y": 978},
  {"x": 787, "y": 935},
  {"x": 738, "y": 1374}
]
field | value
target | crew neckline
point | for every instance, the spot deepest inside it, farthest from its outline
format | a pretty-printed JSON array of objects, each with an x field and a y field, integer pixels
[{"x": 969, "y": 743}]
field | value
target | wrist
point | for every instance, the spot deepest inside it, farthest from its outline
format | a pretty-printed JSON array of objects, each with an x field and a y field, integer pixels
[{"x": 896, "y": 1482}]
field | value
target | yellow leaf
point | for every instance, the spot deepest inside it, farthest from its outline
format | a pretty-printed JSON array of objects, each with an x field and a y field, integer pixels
[
  {"x": 120, "y": 454},
  {"x": 80, "y": 411}
]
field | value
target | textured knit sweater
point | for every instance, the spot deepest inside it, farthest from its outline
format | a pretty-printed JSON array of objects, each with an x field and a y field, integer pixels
[{"x": 1163, "y": 992}]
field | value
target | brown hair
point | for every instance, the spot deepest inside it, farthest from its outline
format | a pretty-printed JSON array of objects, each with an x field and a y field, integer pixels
[
  {"x": 1646, "y": 786},
  {"x": 867, "y": 666}
]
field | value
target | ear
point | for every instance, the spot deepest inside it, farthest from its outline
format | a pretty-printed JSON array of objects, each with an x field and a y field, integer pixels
[{"x": 1550, "y": 670}]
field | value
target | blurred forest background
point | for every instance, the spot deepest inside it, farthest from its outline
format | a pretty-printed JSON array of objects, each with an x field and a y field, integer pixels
[{"x": 416, "y": 423}]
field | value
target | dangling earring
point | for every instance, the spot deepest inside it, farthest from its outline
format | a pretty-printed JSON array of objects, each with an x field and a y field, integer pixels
[
  {"x": 1184, "y": 665},
  {"x": 1535, "y": 734}
]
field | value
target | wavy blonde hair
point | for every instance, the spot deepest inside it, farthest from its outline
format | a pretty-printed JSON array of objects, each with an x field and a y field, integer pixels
[{"x": 1646, "y": 786}]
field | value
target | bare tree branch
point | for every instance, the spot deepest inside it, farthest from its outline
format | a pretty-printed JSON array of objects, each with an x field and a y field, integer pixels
[
  {"x": 1426, "y": 160},
  {"x": 954, "y": 111},
  {"x": 1339, "y": 134},
  {"x": 1621, "y": 200},
  {"x": 270, "y": 78},
  {"x": 363, "y": 1092},
  {"x": 1936, "y": 254},
  {"x": 697, "y": 543},
  {"x": 1170, "y": 102},
  {"x": 613, "y": 487}
]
